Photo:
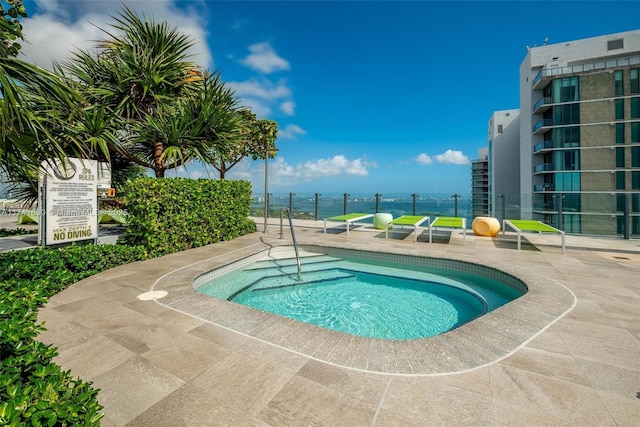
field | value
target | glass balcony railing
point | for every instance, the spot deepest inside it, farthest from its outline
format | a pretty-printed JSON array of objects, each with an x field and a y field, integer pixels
[
  {"x": 615, "y": 214},
  {"x": 547, "y": 74},
  {"x": 542, "y": 104},
  {"x": 542, "y": 167},
  {"x": 542, "y": 187},
  {"x": 545, "y": 145},
  {"x": 542, "y": 124}
]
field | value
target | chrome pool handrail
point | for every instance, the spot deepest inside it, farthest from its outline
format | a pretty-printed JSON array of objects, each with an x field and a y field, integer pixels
[{"x": 293, "y": 237}]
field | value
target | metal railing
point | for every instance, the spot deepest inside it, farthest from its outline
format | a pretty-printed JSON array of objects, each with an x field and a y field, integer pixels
[{"x": 293, "y": 237}]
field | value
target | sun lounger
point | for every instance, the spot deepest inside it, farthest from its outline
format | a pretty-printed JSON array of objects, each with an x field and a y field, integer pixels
[
  {"x": 448, "y": 222},
  {"x": 348, "y": 219},
  {"x": 411, "y": 220},
  {"x": 532, "y": 226}
]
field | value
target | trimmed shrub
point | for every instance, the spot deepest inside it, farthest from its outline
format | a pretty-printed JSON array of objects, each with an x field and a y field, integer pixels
[
  {"x": 33, "y": 389},
  {"x": 174, "y": 214}
]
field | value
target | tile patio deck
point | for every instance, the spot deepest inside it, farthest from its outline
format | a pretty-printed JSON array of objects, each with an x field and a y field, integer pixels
[{"x": 576, "y": 363}]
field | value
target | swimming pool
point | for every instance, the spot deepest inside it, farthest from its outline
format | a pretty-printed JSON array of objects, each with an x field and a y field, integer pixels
[{"x": 398, "y": 298}]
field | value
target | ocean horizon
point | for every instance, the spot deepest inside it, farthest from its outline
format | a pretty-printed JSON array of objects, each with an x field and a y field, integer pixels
[{"x": 332, "y": 204}]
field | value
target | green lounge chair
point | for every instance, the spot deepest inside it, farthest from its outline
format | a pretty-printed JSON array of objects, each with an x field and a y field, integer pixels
[
  {"x": 448, "y": 222},
  {"x": 408, "y": 220},
  {"x": 348, "y": 219},
  {"x": 528, "y": 225}
]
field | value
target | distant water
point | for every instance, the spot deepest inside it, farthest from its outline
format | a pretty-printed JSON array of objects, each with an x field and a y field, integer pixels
[{"x": 304, "y": 205}]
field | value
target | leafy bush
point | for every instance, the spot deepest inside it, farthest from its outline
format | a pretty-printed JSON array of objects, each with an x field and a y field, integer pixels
[
  {"x": 16, "y": 231},
  {"x": 175, "y": 214},
  {"x": 33, "y": 389}
]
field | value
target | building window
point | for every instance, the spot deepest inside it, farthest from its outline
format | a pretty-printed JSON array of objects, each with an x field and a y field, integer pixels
[
  {"x": 619, "y": 133},
  {"x": 566, "y": 90},
  {"x": 635, "y": 81},
  {"x": 635, "y": 157},
  {"x": 617, "y": 83},
  {"x": 620, "y": 180},
  {"x": 635, "y": 181},
  {"x": 635, "y": 108},
  {"x": 620, "y": 157},
  {"x": 499, "y": 128},
  {"x": 566, "y": 114},
  {"x": 619, "y": 109},
  {"x": 567, "y": 181},
  {"x": 635, "y": 132},
  {"x": 564, "y": 137}
]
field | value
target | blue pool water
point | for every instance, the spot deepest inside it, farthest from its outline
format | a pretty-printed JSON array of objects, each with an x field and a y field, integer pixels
[{"x": 376, "y": 300}]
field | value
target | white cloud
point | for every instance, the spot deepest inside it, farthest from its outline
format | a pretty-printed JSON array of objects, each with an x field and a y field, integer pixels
[
  {"x": 261, "y": 95},
  {"x": 290, "y": 132},
  {"x": 424, "y": 159},
  {"x": 261, "y": 89},
  {"x": 454, "y": 157},
  {"x": 60, "y": 28},
  {"x": 335, "y": 166},
  {"x": 263, "y": 58},
  {"x": 288, "y": 107}
]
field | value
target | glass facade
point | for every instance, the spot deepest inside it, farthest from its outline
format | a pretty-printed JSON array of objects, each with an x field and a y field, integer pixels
[
  {"x": 635, "y": 108},
  {"x": 634, "y": 80},
  {"x": 619, "y": 109},
  {"x": 586, "y": 166},
  {"x": 619, "y": 157},
  {"x": 618, "y": 83},
  {"x": 619, "y": 133}
]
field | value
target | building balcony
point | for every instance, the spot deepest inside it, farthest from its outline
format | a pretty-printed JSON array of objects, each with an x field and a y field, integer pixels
[
  {"x": 545, "y": 146},
  {"x": 542, "y": 126},
  {"x": 542, "y": 187},
  {"x": 543, "y": 167},
  {"x": 547, "y": 74},
  {"x": 542, "y": 105}
]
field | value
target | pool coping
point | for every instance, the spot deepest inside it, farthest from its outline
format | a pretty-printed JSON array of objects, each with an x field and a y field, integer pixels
[{"x": 484, "y": 341}]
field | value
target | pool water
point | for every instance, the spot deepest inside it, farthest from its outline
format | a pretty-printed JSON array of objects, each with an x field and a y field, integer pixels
[{"x": 387, "y": 301}]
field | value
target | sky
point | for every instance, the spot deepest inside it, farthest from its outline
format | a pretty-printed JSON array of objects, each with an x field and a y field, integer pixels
[{"x": 385, "y": 97}]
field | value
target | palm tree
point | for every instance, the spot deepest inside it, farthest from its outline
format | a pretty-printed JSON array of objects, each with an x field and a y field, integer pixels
[
  {"x": 156, "y": 98},
  {"x": 35, "y": 108}
]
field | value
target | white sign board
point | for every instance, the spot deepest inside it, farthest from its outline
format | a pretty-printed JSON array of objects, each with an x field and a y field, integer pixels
[{"x": 71, "y": 200}]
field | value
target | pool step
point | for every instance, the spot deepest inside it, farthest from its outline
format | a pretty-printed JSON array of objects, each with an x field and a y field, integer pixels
[
  {"x": 306, "y": 262},
  {"x": 287, "y": 280}
]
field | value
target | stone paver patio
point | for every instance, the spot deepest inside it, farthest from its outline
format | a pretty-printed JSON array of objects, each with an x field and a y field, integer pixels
[{"x": 225, "y": 365}]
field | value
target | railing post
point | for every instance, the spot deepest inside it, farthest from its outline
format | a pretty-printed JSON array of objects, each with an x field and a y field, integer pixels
[
  {"x": 281, "y": 226},
  {"x": 315, "y": 215},
  {"x": 291, "y": 202},
  {"x": 413, "y": 196},
  {"x": 345, "y": 203},
  {"x": 455, "y": 203},
  {"x": 627, "y": 217},
  {"x": 560, "y": 219},
  {"x": 378, "y": 202}
]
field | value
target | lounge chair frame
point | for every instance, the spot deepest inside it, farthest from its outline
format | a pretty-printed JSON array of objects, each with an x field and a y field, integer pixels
[
  {"x": 531, "y": 226},
  {"x": 408, "y": 220},
  {"x": 448, "y": 222},
  {"x": 347, "y": 219}
]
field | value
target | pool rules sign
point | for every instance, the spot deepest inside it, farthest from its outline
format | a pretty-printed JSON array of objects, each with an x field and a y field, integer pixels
[{"x": 68, "y": 196}]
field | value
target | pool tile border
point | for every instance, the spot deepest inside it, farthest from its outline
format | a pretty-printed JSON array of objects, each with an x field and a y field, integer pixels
[{"x": 483, "y": 341}]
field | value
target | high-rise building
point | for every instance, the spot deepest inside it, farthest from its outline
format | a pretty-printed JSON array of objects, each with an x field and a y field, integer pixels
[
  {"x": 580, "y": 134},
  {"x": 480, "y": 184}
]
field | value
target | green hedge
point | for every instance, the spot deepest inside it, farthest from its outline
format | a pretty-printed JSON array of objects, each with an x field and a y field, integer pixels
[
  {"x": 33, "y": 389},
  {"x": 173, "y": 214}
]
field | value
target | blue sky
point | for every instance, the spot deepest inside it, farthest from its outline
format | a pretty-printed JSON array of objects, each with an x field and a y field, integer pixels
[{"x": 370, "y": 97}]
